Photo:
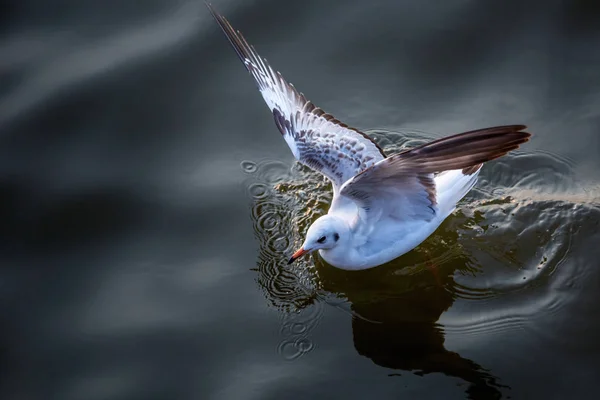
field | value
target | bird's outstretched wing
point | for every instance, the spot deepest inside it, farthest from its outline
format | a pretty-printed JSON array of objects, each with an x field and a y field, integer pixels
[
  {"x": 316, "y": 138},
  {"x": 403, "y": 185}
]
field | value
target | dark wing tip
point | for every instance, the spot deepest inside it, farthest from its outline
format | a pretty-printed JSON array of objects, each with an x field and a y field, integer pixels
[
  {"x": 213, "y": 12},
  {"x": 236, "y": 39},
  {"x": 521, "y": 130},
  {"x": 211, "y": 8}
]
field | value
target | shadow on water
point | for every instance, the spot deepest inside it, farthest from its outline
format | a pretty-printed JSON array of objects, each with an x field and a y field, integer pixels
[{"x": 510, "y": 234}]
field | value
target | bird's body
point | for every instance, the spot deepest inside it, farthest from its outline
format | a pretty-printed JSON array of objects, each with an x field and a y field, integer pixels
[
  {"x": 389, "y": 238},
  {"x": 383, "y": 206}
]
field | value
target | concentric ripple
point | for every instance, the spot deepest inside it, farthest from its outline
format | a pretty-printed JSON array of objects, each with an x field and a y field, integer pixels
[
  {"x": 285, "y": 199},
  {"x": 512, "y": 234}
]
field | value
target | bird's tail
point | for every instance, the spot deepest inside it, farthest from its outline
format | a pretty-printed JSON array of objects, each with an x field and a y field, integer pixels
[{"x": 453, "y": 185}]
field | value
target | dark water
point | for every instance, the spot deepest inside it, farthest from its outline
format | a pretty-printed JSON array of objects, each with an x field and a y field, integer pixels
[{"x": 148, "y": 203}]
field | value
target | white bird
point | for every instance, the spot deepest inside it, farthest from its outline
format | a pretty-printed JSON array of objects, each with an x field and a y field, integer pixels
[{"x": 383, "y": 206}]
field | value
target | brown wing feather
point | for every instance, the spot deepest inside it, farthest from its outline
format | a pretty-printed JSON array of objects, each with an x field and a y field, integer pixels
[
  {"x": 466, "y": 151},
  {"x": 461, "y": 151}
]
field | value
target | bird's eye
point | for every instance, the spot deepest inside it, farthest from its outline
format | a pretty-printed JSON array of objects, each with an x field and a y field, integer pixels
[
  {"x": 336, "y": 237},
  {"x": 322, "y": 239}
]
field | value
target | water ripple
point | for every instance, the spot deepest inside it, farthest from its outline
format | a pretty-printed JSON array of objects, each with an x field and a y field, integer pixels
[
  {"x": 283, "y": 205},
  {"x": 248, "y": 167}
]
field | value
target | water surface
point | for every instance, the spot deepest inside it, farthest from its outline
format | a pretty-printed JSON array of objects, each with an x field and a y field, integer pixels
[{"x": 149, "y": 204}]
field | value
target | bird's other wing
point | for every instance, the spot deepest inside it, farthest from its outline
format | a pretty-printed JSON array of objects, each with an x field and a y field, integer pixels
[{"x": 403, "y": 185}]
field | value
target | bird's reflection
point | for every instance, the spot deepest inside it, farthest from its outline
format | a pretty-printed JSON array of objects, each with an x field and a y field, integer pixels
[{"x": 395, "y": 323}]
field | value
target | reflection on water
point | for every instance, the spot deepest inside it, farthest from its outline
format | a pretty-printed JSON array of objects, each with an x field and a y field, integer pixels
[{"x": 511, "y": 233}]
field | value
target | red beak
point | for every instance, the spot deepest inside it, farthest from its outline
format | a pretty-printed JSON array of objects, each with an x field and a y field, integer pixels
[{"x": 297, "y": 254}]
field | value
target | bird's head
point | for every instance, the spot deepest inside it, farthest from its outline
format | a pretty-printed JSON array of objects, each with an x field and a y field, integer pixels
[{"x": 325, "y": 233}]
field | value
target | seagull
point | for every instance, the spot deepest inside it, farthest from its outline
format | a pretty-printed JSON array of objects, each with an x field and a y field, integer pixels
[{"x": 383, "y": 206}]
